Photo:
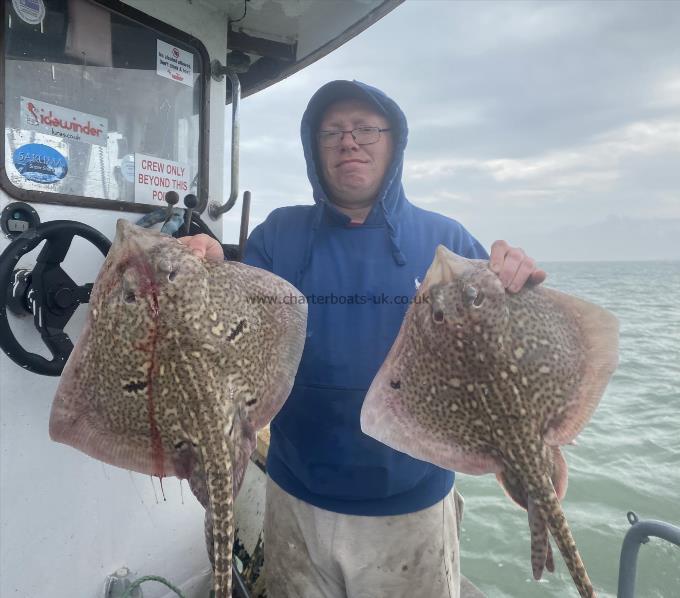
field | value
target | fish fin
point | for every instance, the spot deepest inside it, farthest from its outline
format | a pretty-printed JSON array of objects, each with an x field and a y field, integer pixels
[
  {"x": 75, "y": 420},
  {"x": 560, "y": 472},
  {"x": 544, "y": 499},
  {"x": 385, "y": 417},
  {"x": 549, "y": 560},
  {"x": 513, "y": 488},
  {"x": 282, "y": 324},
  {"x": 219, "y": 483},
  {"x": 541, "y": 553},
  {"x": 559, "y": 479},
  {"x": 199, "y": 488},
  {"x": 540, "y": 542},
  {"x": 243, "y": 440},
  {"x": 516, "y": 490},
  {"x": 600, "y": 333}
]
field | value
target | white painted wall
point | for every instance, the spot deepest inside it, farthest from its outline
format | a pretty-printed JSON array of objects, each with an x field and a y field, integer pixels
[{"x": 66, "y": 520}]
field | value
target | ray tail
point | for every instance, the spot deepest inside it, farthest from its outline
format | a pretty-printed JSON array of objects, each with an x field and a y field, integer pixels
[
  {"x": 545, "y": 501},
  {"x": 219, "y": 481},
  {"x": 541, "y": 553}
]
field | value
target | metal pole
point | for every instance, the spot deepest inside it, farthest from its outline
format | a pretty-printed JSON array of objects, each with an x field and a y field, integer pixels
[
  {"x": 639, "y": 534},
  {"x": 215, "y": 210},
  {"x": 239, "y": 589},
  {"x": 245, "y": 217}
]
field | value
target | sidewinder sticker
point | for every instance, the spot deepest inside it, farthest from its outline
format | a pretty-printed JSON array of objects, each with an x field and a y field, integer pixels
[{"x": 63, "y": 122}]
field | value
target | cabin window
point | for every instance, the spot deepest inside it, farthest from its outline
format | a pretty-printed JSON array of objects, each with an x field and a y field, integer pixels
[{"x": 100, "y": 108}]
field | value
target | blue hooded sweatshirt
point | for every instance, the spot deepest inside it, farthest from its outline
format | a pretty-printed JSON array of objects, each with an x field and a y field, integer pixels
[{"x": 358, "y": 280}]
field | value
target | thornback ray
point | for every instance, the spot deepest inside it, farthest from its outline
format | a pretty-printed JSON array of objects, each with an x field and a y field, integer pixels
[
  {"x": 483, "y": 381},
  {"x": 180, "y": 362}
]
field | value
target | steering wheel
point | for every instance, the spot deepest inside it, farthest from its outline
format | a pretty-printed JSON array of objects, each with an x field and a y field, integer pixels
[{"x": 47, "y": 291}]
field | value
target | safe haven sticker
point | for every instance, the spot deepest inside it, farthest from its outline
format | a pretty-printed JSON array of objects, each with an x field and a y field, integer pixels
[
  {"x": 63, "y": 122},
  {"x": 127, "y": 167},
  {"x": 29, "y": 11},
  {"x": 175, "y": 63},
  {"x": 154, "y": 177},
  {"x": 40, "y": 163}
]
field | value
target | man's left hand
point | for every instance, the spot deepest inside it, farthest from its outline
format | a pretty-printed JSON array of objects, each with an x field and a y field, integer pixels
[{"x": 514, "y": 267}]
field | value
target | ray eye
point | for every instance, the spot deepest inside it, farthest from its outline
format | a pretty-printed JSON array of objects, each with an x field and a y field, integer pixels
[
  {"x": 172, "y": 275},
  {"x": 470, "y": 294},
  {"x": 438, "y": 315},
  {"x": 479, "y": 299},
  {"x": 129, "y": 297}
]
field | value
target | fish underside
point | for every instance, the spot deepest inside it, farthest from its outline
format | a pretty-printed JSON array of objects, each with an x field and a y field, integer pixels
[
  {"x": 177, "y": 367},
  {"x": 483, "y": 381}
]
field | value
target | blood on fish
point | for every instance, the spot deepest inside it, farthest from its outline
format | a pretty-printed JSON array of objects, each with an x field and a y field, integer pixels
[
  {"x": 156, "y": 441},
  {"x": 100, "y": 407},
  {"x": 160, "y": 481},
  {"x": 149, "y": 290}
]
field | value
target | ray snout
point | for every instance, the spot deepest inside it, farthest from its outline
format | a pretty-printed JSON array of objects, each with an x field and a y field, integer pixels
[
  {"x": 446, "y": 267},
  {"x": 130, "y": 237}
]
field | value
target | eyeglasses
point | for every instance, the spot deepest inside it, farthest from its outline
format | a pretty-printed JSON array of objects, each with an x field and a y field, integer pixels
[{"x": 361, "y": 136}]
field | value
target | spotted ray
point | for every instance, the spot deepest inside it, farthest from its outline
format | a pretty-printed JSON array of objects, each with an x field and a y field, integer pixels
[
  {"x": 177, "y": 367},
  {"x": 482, "y": 381}
]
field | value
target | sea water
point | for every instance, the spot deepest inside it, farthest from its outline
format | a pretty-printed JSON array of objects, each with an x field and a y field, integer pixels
[{"x": 626, "y": 459}]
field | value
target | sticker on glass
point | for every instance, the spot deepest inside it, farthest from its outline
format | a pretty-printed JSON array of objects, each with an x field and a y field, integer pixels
[
  {"x": 175, "y": 63},
  {"x": 127, "y": 167},
  {"x": 154, "y": 177},
  {"x": 40, "y": 163},
  {"x": 68, "y": 124},
  {"x": 30, "y": 11}
]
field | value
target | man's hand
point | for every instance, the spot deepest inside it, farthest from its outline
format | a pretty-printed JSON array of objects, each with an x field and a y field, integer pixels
[
  {"x": 514, "y": 267},
  {"x": 204, "y": 246}
]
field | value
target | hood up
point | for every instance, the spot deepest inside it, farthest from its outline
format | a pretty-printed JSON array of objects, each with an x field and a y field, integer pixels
[{"x": 391, "y": 199}]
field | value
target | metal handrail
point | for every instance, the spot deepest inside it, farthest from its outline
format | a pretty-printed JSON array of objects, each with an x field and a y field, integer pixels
[
  {"x": 639, "y": 534},
  {"x": 215, "y": 210}
]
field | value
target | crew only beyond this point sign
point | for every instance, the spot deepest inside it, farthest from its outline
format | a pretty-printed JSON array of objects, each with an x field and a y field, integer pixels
[{"x": 154, "y": 177}]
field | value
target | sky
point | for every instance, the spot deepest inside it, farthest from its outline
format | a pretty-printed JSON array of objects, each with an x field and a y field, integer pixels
[{"x": 552, "y": 125}]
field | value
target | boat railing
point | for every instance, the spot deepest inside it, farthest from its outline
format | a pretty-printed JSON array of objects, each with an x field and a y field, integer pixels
[{"x": 639, "y": 533}]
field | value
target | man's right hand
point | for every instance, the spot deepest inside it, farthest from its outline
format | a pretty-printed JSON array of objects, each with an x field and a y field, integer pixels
[{"x": 204, "y": 246}]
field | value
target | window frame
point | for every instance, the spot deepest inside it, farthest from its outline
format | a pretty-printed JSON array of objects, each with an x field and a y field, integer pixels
[{"x": 33, "y": 196}]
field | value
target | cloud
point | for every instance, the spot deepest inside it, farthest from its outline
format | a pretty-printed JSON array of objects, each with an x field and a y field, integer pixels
[
  {"x": 524, "y": 116},
  {"x": 268, "y": 143},
  {"x": 598, "y": 163}
]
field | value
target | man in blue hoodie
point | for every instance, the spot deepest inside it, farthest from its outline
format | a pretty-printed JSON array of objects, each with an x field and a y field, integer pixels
[{"x": 345, "y": 514}]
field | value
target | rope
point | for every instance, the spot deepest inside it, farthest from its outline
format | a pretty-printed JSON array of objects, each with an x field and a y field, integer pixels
[{"x": 135, "y": 584}]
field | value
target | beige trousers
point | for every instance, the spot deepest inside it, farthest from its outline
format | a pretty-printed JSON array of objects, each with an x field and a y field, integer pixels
[{"x": 313, "y": 553}]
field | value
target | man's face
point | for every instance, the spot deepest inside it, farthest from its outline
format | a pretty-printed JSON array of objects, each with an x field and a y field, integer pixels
[{"x": 353, "y": 173}]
